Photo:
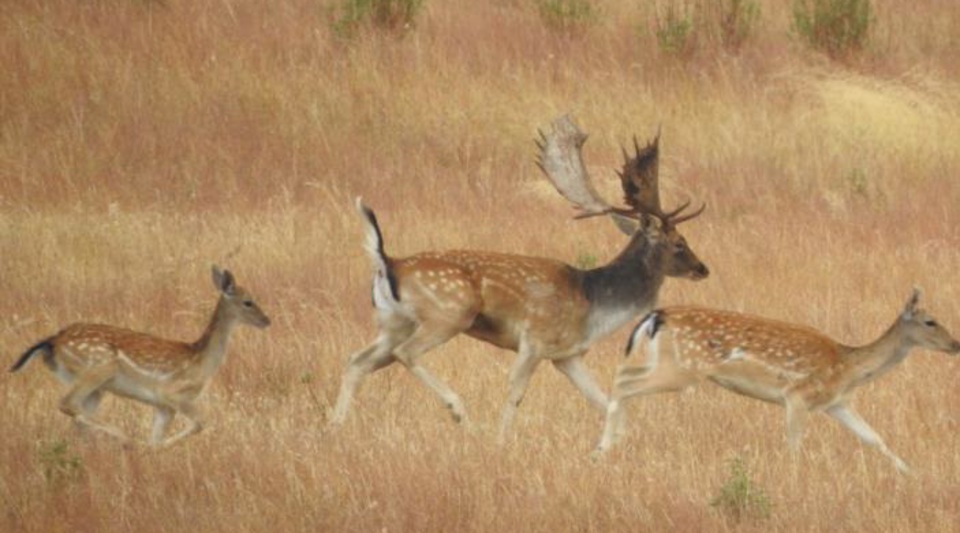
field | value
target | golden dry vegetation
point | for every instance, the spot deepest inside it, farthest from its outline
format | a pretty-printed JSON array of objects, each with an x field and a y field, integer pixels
[{"x": 142, "y": 141}]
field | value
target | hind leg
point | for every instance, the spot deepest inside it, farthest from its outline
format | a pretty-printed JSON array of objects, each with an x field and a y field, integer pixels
[
  {"x": 78, "y": 399},
  {"x": 89, "y": 408},
  {"x": 425, "y": 338},
  {"x": 364, "y": 362}
]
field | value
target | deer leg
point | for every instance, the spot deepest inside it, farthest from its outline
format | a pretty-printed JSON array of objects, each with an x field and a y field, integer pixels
[
  {"x": 162, "y": 417},
  {"x": 520, "y": 375},
  {"x": 424, "y": 339},
  {"x": 851, "y": 420},
  {"x": 188, "y": 410},
  {"x": 370, "y": 359},
  {"x": 89, "y": 407},
  {"x": 580, "y": 376},
  {"x": 797, "y": 412},
  {"x": 632, "y": 381},
  {"x": 78, "y": 400}
]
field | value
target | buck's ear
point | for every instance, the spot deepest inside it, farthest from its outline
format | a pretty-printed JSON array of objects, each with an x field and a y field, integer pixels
[
  {"x": 911, "y": 306},
  {"x": 223, "y": 280}
]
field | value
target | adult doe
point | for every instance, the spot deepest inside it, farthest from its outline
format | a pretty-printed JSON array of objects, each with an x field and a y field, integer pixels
[{"x": 786, "y": 364}]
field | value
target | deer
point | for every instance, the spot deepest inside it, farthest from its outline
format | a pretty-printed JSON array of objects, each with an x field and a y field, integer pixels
[
  {"x": 93, "y": 359},
  {"x": 794, "y": 366},
  {"x": 540, "y": 308}
]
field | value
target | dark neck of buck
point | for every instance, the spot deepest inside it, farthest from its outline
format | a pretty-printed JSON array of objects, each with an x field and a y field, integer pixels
[{"x": 631, "y": 280}]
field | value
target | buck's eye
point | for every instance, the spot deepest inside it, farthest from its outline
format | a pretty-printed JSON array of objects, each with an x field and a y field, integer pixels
[
  {"x": 930, "y": 323},
  {"x": 248, "y": 303}
]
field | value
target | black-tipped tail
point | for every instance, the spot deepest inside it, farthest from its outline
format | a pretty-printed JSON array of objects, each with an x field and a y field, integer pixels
[
  {"x": 375, "y": 248},
  {"x": 45, "y": 346},
  {"x": 648, "y": 325}
]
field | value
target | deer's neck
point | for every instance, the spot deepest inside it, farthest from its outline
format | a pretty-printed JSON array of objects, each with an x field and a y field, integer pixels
[
  {"x": 871, "y": 361},
  {"x": 625, "y": 288},
  {"x": 211, "y": 348}
]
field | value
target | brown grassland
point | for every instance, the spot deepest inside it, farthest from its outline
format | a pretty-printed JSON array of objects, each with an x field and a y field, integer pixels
[{"x": 140, "y": 142}]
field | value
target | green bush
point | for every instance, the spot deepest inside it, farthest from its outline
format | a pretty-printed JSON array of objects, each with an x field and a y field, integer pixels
[
  {"x": 674, "y": 31},
  {"x": 740, "y": 497},
  {"x": 736, "y": 20},
  {"x": 58, "y": 463},
  {"x": 835, "y": 27},
  {"x": 567, "y": 15},
  {"x": 392, "y": 15},
  {"x": 685, "y": 26}
]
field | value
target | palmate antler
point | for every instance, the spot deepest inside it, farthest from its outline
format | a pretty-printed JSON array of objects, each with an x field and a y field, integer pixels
[{"x": 560, "y": 158}]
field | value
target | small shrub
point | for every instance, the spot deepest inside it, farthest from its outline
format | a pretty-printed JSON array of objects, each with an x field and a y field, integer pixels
[
  {"x": 684, "y": 27},
  {"x": 674, "y": 31},
  {"x": 740, "y": 497},
  {"x": 737, "y": 19},
  {"x": 567, "y": 15},
  {"x": 58, "y": 463},
  {"x": 391, "y": 15},
  {"x": 836, "y": 27}
]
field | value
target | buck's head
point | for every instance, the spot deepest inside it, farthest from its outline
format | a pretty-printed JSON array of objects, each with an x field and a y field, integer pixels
[
  {"x": 561, "y": 160},
  {"x": 679, "y": 261},
  {"x": 236, "y": 302},
  {"x": 921, "y": 329},
  {"x": 640, "y": 181}
]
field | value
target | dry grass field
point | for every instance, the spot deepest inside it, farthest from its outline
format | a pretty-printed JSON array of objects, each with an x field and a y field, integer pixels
[{"x": 141, "y": 142}]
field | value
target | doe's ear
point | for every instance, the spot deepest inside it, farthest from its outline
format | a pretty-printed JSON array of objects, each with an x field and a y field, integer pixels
[
  {"x": 223, "y": 280},
  {"x": 911, "y": 307}
]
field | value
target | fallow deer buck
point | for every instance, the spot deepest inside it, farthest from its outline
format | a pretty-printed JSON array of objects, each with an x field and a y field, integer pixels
[
  {"x": 786, "y": 364},
  {"x": 540, "y": 308},
  {"x": 169, "y": 375}
]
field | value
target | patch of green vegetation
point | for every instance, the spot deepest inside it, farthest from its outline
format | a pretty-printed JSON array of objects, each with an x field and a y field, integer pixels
[
  {"x": 683, "y": 26},
  {"x": 567, "y": 15},
  {"x": 835, "y": 27},
  {"x": 675, "y": 31},
  {"x": 389, "y": 15},
  {"x": 59, "y": 464},
  {"x": 740, "y": 497}
]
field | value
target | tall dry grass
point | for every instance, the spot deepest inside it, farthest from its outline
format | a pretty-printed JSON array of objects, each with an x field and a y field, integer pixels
[{"x": 142, "y": 141}]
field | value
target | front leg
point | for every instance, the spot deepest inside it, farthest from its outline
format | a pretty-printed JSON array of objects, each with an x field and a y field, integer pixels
[
  {"x": 580, "y": 376},
  {"x": 852, "y": 421},
  {"x": 520, "y": 375},
  {"x": 161, "y": 421},
  {"x": 797, "y": 413}
]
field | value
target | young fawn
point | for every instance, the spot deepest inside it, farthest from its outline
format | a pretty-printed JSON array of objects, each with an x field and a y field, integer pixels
[
  {"x": 794, "y": 366},
  {"x": 169, "y": 375}
]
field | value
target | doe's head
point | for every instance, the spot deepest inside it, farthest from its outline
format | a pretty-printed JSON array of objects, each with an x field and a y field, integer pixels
[
  {"x": 923, "y": 330},
  {"x": 239, "y": 303}
]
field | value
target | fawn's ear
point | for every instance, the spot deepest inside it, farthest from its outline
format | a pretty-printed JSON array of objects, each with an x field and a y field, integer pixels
[
  {"x": 911, "y": 307},
  {"x": 223, "y": 280}
]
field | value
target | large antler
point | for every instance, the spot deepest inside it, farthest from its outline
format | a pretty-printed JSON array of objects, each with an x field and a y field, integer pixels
[
  {"x": 640, "y": 178},
  {"x": 561, "y": 160}
]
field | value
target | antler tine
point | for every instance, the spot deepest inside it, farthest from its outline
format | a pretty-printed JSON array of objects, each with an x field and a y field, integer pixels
[
  {"x": 684, "y": 218},
  {"x": 676, "y": 211}
]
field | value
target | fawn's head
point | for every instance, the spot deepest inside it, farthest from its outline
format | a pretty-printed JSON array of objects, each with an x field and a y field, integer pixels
[
  {"x": 237, "y": 302},
  {"x": 923, "y": 330}
]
